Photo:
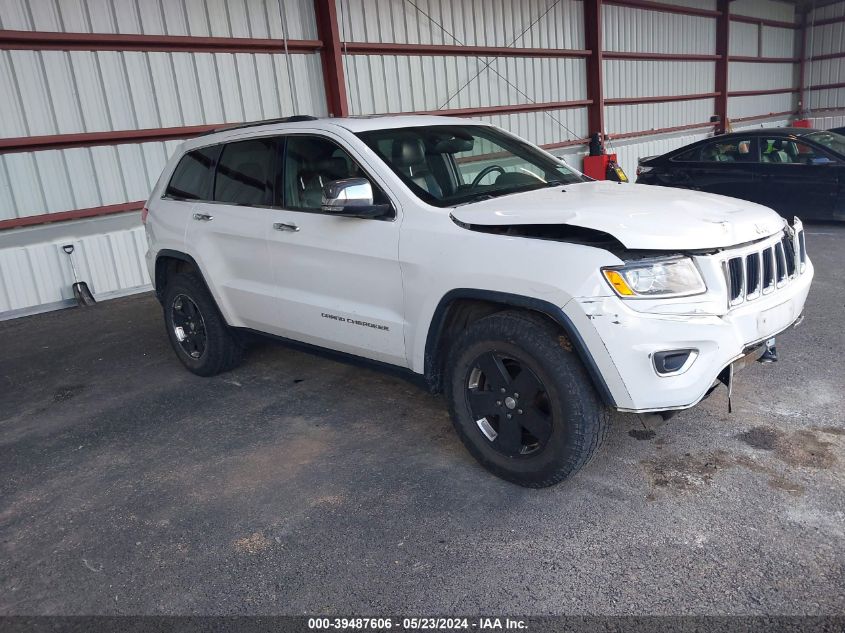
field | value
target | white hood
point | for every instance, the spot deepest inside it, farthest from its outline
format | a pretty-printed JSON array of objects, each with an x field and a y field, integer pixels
[{"x": 640, "y": 216}]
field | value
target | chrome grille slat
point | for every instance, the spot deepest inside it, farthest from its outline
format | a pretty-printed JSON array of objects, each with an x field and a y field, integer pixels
[{"x": 752, "y": 275}]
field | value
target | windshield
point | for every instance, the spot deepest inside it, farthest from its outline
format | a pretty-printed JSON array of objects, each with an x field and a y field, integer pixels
[
  {"x": 830, "y": 140},
  {"x": 448, "y": 165}
]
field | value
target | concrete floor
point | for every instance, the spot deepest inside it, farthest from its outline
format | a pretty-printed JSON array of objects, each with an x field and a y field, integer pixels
[{"x": 297, "y": 484}]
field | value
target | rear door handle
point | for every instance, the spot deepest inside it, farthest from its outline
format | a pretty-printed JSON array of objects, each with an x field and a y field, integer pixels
[
  {"x": 281, "y": 226},
  {"x": 203, "y": 217}
]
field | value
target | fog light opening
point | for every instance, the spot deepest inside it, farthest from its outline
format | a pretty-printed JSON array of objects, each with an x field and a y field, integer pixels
[{"x": 674, "y": 362}]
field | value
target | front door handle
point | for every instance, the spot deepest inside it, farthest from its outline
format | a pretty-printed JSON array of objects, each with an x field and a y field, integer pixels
[
  {"x": 203, "y": 217},
  {"x": 281, "y": 226}
]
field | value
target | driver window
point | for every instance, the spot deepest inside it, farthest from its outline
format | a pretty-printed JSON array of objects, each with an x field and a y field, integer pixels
[{"x": 311, "y": 162}]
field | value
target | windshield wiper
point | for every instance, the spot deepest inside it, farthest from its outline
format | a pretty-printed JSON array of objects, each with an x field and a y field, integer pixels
[{"x": 478, "y": 197}]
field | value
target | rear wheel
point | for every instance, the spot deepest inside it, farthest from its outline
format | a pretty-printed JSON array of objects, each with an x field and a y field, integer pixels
[
  {"x": 197, "y": 331},
  {"x": 521, "y": 402}
]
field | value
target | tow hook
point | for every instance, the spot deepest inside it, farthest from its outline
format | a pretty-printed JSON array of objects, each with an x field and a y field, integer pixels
[{"x": 771, "y": 353}]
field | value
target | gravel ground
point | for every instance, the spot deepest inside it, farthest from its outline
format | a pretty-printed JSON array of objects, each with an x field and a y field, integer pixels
[{"x": 299, "y": 484}]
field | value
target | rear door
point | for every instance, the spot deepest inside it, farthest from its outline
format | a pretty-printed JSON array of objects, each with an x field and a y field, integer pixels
[
  {"x": 228, "y": 229},
  {"x": 724, "y": 166},
  {"x": 337, "y": 279},
  {"x": 798, "y": 178}
]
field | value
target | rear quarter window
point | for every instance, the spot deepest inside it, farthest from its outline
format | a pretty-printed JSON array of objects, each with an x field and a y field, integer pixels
[{"x": 194, "y": 175}]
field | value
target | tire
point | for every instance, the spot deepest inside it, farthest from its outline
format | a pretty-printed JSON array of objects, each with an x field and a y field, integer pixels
[
  {"x": 209, "y": 346},
  {"x": 559, "y": 418}
]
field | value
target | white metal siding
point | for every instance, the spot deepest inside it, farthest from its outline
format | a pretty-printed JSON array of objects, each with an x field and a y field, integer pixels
[
  {"x": 638, "y": 78},
  {"x": 38, "y": 274},
  {"x": 293, "y": 19},
  {"x": 641, "y": 30},
  {"x": 824, "y": 40},
  {"x": 71, "y": 92},
  {"x": 755, "y": 76},
  {"x": 765, "y": 9},
  {"x": 79, "y": 178},
  {"x": 67, "y": 92},
  {"x": 620, "y": 119},
  {"x": 543, "y": 128},
  {"x": 526, "y": 24},
  {"x": 401, "y": 83},
  {"x": 739, "y": 107},
  {"x": 743, "y": 39}
]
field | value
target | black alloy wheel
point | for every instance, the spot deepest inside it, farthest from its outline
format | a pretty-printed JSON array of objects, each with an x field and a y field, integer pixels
[
  {"x": 510, "y": 405},
  {"x": 188, "y": 326}
]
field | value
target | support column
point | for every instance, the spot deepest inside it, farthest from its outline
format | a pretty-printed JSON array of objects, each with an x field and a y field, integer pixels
[
  {"x": 328, "y": 31},
  {"x": 802, "y": 67},
  {"x": 595, "y": 72},
  {"x": 723, "y": 25}
]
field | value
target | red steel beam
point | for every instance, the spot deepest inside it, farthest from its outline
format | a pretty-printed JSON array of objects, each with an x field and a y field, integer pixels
[
  {"x": 679, "y": 57},
  {"x": 394, "y": 48},
  {"x": 826, "y": 86},
  {"x": 505, "y": 109},
  {"x": 770, "y": 115},
  {"x": 88, "y": 139},
  {"x": 659, "y": 6},
  {"x": 595, "y": 70},
  {"x": 802, "y": 67},
  {"x": 569, "y": 143},
  {"x": 661, "y": 130},
  {"x": 836, "y": 20},
  {"x": 659, "y": 99},
  {"x": 333, "y": 77},
  {"x": 93, "y": 212},
  {"x": 723, "y": 29},
  {"x": 764, "y": 22},
  {"x": 764, "y": 60},
  {"x": 40, "y": 40},
  {"x": 91, "y": 139},
  {"x": 838, "y": 55},
  {"x": 757, "y": 93}
]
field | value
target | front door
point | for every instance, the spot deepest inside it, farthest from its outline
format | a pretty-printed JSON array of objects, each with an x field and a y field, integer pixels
[{"x": 338, "y": 279}]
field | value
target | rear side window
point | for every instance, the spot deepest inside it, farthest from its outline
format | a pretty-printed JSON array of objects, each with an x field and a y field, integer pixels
[
  {"x": 193, "y": 177},
  {"x": 246, "y": 173}
]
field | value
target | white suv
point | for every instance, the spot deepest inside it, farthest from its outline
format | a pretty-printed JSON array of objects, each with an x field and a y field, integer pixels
[{"x": 536, "y": 299}]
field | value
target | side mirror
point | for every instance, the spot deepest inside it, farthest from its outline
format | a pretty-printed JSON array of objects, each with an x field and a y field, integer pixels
[{"x": 352, "y": 198}]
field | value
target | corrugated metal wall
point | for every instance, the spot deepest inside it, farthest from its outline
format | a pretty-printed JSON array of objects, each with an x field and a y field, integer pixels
[
  {"x": 826, "y": 39},
  {"x": 39, "y": 274},
  {"x": 59, "y": 92},
  {"x": 379, "y": 84},
  {"x": 761, "y": 40}
]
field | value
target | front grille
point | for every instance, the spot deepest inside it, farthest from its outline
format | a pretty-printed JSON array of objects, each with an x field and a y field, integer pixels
[{"x": 753, "y": 275}]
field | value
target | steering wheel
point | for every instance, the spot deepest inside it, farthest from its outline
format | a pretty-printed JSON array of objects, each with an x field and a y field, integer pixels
[{"x": 487, "y": 170}]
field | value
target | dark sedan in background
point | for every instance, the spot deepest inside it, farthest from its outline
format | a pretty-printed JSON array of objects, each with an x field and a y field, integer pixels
[{"x": 795, "y": 171}]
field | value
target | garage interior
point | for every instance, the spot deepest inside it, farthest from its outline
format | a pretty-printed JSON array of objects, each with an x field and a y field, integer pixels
[{"x": 300, "y": 483}]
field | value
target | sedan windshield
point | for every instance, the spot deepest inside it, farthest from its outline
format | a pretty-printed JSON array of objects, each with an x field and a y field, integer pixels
[
  {"x": 830, "y": 140},
  {"x": 448, "y": 165}
]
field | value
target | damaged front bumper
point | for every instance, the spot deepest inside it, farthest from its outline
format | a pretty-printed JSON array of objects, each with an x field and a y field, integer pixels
[{"x": 630, "y": 347}]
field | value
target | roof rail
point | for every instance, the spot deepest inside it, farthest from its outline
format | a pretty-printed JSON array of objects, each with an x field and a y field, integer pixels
[{"x": 236, "y": 126}]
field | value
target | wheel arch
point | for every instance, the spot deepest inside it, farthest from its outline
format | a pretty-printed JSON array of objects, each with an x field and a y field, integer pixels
[
  {"x": 462, "y": 306},
  {"x": 169, "y": 262}
]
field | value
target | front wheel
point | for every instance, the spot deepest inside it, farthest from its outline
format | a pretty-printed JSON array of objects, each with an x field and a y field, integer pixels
[{"x": 522, "y": 402}]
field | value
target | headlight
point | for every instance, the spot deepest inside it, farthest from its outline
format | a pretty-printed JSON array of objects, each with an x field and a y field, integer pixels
[{"x": 664, "y": 278}]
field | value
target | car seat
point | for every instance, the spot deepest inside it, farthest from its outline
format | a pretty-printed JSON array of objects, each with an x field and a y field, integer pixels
[{"x": 408, "y": 155}]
